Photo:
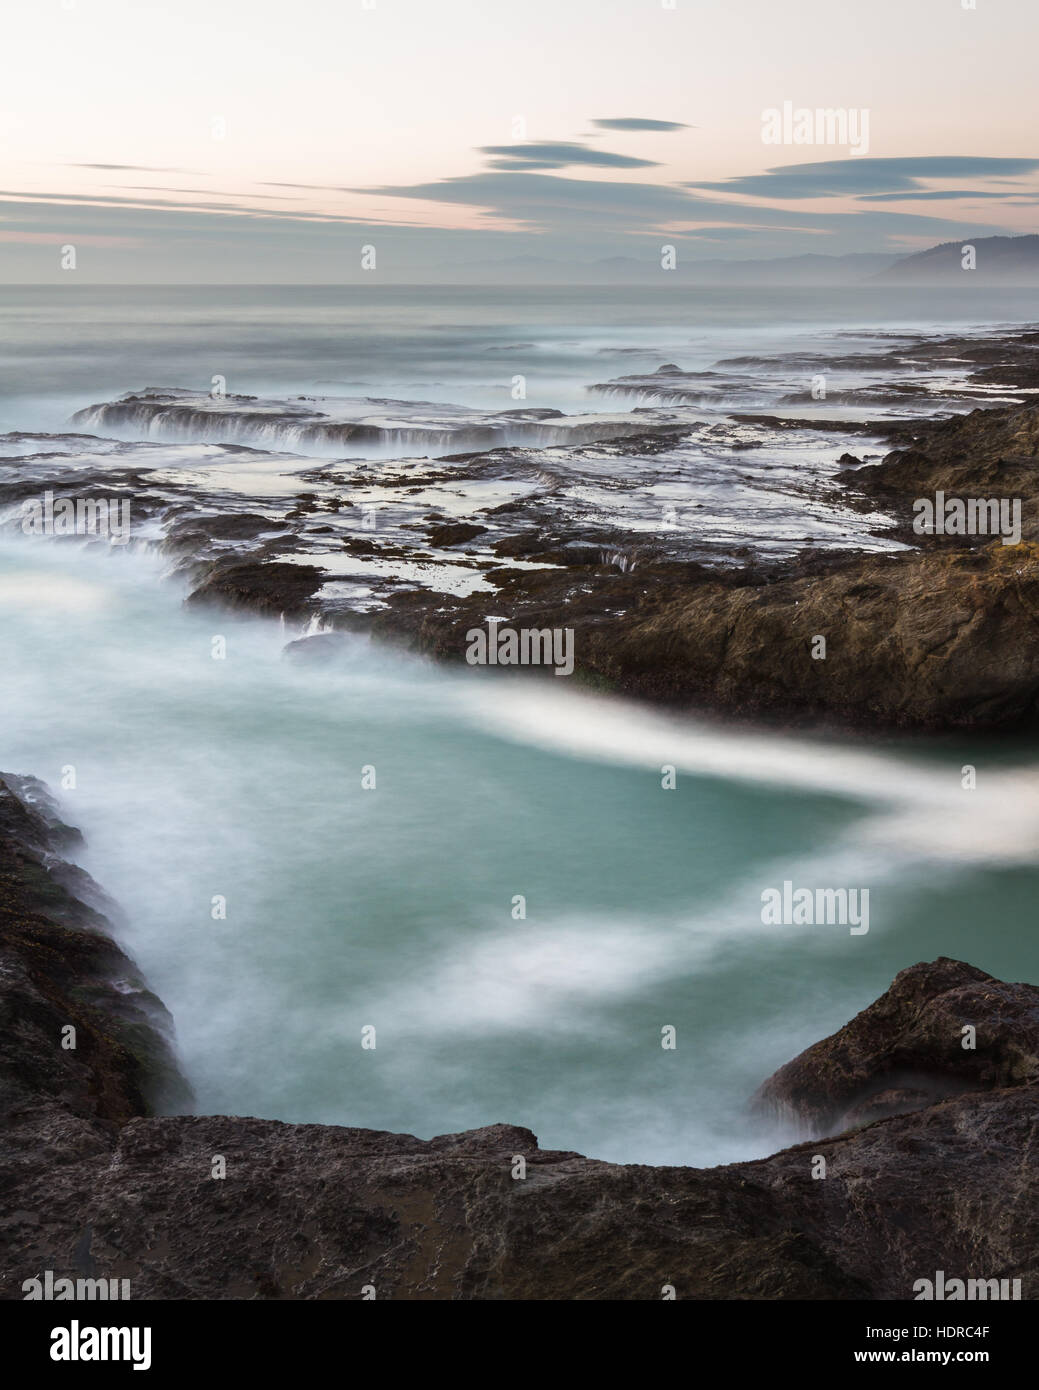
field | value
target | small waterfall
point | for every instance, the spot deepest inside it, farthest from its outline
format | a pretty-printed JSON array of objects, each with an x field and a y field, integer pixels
[
  {"x": 161, "y": 419},
  {"x": 620, "y": 559}
]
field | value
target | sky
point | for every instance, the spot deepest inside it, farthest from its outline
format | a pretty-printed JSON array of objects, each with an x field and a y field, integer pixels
[{"x": 247, "y": 140}]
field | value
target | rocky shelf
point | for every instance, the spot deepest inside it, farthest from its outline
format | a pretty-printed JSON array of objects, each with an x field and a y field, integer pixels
[{"x": 715, "y": 604}]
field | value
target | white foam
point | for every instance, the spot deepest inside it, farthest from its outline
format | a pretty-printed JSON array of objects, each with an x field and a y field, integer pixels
[{"x": 924, "y": 808}]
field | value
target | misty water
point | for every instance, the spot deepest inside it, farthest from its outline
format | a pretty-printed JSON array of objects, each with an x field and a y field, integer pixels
[{"x": 392, "y": 907}]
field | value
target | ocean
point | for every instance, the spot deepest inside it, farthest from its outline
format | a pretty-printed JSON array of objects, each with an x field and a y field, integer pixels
[{"x": 521, "y": 907}]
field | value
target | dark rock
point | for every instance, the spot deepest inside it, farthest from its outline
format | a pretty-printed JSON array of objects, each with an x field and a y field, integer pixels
[
  {"x": 984, "y": 454},
  {"x": 273, "y": 588},
  {"x": 323, "y": 647},
  {"x": 933, "y": 640},
  {"x": 454, "y": 533},
  {"x": 60, "y": 968},
  {"x": 907, "y": 1049},
  {"x": 896, "y": 1100},
  {"x": 513, "y": 547},
  {"x": 225, "y": 527}
]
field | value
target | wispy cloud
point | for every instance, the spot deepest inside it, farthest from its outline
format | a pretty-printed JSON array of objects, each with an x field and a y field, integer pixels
[
  {"x": 935, "y": 195},
  {"x": 860, "y": 176},
  {"x": 313, "y": 187},
  {"x": 639, "y": 123},
  {"x": 131, "y": 168},
  {"x": 81, "y": 204},
  {"x": 584, "y": 207},
  {"x": 561, "y": 154}
]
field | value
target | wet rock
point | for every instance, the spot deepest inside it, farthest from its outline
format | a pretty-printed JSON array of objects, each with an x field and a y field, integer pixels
[
  {"x": 983, "y": 454},
  {"x": 321, "y": 648},
  {"x": 454, "y": 533},
  {"x": 221, "y": 526},
  {"x": 930, "y": 641},
  {"x": 272, "y": 588},
  {"x": 936, "y": 641},
  {"x": 61, "y": 969},
  {"x": 917, "y": 640},
  {"x": 515, "y": 547},
  {"x": 941, "y": 1029},
  {"x": 895, "y": 1100}
]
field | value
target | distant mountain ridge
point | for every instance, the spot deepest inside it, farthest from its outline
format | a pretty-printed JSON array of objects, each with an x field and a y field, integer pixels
[
  {"x": 998, "y": 260},
  {"x": 1012, "y": 260}
]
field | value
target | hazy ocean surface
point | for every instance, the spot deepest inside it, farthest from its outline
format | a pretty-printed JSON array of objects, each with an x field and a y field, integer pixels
[
  {"x": 64, "y": 347},
  {"x": 350, "y": 908}
]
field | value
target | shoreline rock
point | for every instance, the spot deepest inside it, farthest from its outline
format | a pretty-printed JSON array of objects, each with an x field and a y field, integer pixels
[
  {"x": 919, "y": 641},
  {"x": 62, "y": 970},
  {"x": 933, "y": 639},
  {"x": 942, "y": 1029}
]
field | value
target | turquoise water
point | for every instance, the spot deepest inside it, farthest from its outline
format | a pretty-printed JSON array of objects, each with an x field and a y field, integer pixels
[{"x": 392, "y": 907}]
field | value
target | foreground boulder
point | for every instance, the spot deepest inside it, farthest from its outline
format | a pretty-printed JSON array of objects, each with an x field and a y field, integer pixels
[
  {"x": 98, "y": 1186},
  {"x": 942, "y": 1029}
]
